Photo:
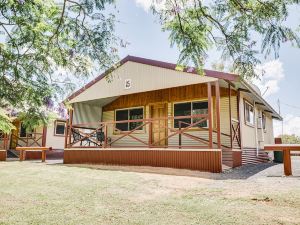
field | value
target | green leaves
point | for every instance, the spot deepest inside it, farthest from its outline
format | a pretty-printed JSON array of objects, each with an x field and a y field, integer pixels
[
  {"x": 5, "y": 123},
  {"x": 43, "y": 37},
  {"x": 239, "y": 29},
  {"x": 34, "y": 118}
]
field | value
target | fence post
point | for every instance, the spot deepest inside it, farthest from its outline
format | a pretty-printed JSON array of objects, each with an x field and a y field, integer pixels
[
  {"x": 179, "y": 136},
  {"x": 44, "y": 137},
  {"x": 230, "y": 115},
  {"x": 217, "y": 93},
  {"x": 70, "y": 125},
  {"x": 105, "y": 135},
  {"x": 5, "y": 141},
  {"x": 150, "y": 134},
  {"x": 210, "y": 128},
  {"x": 67, "y": 132}
]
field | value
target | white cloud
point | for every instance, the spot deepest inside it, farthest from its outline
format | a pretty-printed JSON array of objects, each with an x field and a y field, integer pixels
[
  {"x": 146, "y": 4},
  {"x": 291, "y": 125},
  {"x": 270, "y": 73}
]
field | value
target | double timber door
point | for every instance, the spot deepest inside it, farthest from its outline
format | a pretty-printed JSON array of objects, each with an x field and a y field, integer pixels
[{"x": 159, "y": 127}]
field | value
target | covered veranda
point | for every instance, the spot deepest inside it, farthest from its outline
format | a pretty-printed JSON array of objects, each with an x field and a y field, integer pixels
[{"x": 105, "y": 142}]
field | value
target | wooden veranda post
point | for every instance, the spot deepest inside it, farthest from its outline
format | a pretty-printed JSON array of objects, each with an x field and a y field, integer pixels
[
  {"x": 210, "y": 129},
  {"x": 179, "y": 136},
  {"x": 44, "y": 138},
  {"x": 67, "y": 131},
  {"x": 217, "y": 87},
  {"x": 239, "y": 110},
  {"x": 105, "y": 136},
  {"x": 150, "y": 134},
  {"x": 5, "y": 141},
  {"x": 230, "y": 115},
  {"x": 70, "y": 125}
]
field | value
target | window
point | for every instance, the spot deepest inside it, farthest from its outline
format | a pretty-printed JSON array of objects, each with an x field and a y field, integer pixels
[
  {"x": 59, "y": 128},
  {"x": 23, "y": 132},
  {"x": 249, "y": 114},
  {"x": 129, "y": 114},
  {"x": 263, "y": 120},
  {"x": 189, "y": 109}
]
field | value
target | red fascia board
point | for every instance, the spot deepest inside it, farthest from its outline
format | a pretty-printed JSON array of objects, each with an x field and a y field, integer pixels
[{"x": 156, "y": 63}]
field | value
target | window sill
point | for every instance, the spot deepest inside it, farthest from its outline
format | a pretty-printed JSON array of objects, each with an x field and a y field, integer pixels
[{"x": 59, "y": 135}]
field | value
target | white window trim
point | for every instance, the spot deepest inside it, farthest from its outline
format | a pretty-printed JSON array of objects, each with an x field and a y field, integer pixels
[
  {"x": 245, "y": 118},
  {"x": 200, "y": 100},
  {"x": 263, "y": 114},
  {"x": 55, "y": 125}
]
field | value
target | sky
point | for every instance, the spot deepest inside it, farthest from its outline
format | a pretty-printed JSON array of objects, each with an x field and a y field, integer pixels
[{"x": 142, "y": 30}]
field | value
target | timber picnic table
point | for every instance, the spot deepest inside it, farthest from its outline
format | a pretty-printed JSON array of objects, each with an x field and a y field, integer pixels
[
  {"x": 286, "y": 149},
  {"x": 24, "y": 149}
]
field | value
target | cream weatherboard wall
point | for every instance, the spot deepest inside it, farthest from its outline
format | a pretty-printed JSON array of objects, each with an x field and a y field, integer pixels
[
  {"x": 249, "y": 137},
  {"x": 52, "y": 140}
]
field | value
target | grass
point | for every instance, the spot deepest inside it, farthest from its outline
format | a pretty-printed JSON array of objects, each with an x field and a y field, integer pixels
[{"x": 36, "y": 193}]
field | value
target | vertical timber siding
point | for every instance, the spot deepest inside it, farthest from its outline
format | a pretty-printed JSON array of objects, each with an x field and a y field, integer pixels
[{"x": 204, "y": 160}]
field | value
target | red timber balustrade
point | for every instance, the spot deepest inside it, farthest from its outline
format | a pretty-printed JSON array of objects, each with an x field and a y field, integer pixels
[
  {"x": 31, "y": 139},
  {"x": 96, "y": 134}
]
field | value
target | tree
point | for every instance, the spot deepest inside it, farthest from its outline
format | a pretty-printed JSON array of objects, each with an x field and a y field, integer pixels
[
  {"x": 39, "y": 38},
  {"x": 240, "y": 29},
  {"x": 290, "y": 139},
  {"x": 5, "y": 123}
]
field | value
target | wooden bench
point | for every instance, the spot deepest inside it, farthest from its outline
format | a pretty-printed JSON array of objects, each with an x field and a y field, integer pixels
[
  {"x": 24, "y": 149},
  {"x": 286, "y": 149}
]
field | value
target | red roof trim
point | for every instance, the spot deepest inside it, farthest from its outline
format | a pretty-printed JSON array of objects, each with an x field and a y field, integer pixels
[{"x": 166, "y": 65}]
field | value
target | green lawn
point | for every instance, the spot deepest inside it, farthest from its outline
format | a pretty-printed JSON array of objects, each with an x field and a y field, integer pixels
[{"x": 36, "y": 193}]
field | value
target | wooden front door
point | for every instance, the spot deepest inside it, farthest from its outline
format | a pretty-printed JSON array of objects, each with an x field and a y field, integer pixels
[{"x": 159, "y": 127}]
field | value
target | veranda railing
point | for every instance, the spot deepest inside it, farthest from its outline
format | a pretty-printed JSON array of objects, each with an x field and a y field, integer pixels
[{"x": 89, "y": 135}]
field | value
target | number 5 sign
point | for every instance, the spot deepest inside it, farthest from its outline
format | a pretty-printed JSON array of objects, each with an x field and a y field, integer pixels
[{"x": 127, "y": 83}]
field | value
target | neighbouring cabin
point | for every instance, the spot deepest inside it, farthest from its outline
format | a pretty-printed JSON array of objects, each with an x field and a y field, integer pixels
[
  {"x": 20, "y": 137},
  {"x": 53, "y": 136},
  {"x": 145, "y": 105}
]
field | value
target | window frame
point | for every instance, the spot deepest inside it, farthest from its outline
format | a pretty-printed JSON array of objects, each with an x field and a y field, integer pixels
[
  {"x": 191, "y": 102},
  {"x": 128, "y": 110},
  {"x": 264, "y": 122},
  {"x": 246, "y": 102},
  {"x": 55, "y": 125}
]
